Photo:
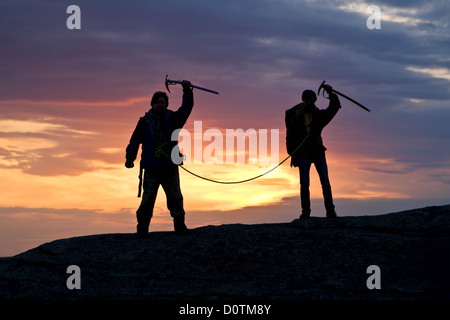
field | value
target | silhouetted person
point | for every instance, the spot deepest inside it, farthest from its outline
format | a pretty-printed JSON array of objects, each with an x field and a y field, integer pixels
[
  {"x": 154, "y": 131},
  {"x": 302, "y": 119}
]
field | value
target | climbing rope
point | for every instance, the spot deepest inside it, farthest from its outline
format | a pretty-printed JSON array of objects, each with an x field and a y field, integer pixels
[{"x": 159, "y": 151}]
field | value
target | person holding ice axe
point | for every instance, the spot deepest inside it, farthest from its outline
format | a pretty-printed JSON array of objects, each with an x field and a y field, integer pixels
[
  {"x": 154, "y": 132},
  {"x": 304, "y": 125}
]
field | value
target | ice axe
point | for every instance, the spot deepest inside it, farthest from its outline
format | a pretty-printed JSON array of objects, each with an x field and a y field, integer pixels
[
  {"x": 322, "y": 85},
  {"x": 173, "y": 82}
]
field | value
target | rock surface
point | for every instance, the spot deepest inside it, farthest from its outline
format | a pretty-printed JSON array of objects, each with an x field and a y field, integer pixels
[{"x": 318, "y": 259}]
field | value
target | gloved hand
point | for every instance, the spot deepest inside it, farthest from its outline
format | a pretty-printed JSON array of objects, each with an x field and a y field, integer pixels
[
  {"x": 328, "y": 88},
  {"x": 129, "y": 164},
  {"x": 186, "y": 86}
]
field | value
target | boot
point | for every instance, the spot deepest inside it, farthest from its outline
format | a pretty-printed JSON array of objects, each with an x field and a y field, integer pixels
[
  {"x": 179, "y": 225},
  {"x": 305, "y": 202},
  {"x": 305, "y": 215},
  {"x": 142, "y": 228},
  {"x": 331, "y": 214}
]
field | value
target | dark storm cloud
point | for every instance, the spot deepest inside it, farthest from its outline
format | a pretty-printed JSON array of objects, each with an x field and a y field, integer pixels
[{"x": 123, "y": 45}]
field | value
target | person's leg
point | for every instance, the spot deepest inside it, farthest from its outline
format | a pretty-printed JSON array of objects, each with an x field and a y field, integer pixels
[
  {"x": 171, "y": 186},
  {"x": 322, "y": 169},
  {"x": 304, "y": 169},
  {"x": 145, "y": 211}
]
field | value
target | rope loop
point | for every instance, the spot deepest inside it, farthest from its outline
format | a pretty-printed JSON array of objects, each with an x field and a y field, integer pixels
[{"x": 159, "y": 151}]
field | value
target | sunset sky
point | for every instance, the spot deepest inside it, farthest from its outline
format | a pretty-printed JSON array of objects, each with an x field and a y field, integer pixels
[{"x": 70, "y": 99}]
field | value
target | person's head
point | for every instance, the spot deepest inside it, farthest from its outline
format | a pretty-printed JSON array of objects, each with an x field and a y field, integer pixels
[
  {"x": 309, "y": 97},
  {"x": 160, "y": 101}
]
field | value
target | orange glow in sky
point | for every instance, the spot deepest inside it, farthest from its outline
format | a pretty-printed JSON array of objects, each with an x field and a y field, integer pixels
[{"x": 102, "y": 198}]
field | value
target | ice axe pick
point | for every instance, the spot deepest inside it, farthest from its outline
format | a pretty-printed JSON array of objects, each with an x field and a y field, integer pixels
[
  {"x": 322, "y": 85},
  {"x": 173, "y": 82}
]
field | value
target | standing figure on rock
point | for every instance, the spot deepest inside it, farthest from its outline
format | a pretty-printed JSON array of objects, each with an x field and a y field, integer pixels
[
  {"x": 154, "y": 131},
  {"x": 305, "y": 120}
]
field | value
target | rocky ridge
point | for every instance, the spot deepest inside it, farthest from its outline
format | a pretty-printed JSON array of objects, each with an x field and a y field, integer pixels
[{"x": 317, "y": 259}]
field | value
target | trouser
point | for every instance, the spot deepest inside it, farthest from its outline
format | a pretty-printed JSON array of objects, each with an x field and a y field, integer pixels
[
  {"x": 320, "y": 163},
  {"x": 169, "y": 179}
]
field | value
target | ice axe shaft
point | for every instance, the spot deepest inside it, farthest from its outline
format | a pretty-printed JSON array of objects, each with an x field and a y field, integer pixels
[
  {"x": 344, "y": 96},
  {"x": 350, "y": 99},
  {"x": 173, "y": 82}
]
